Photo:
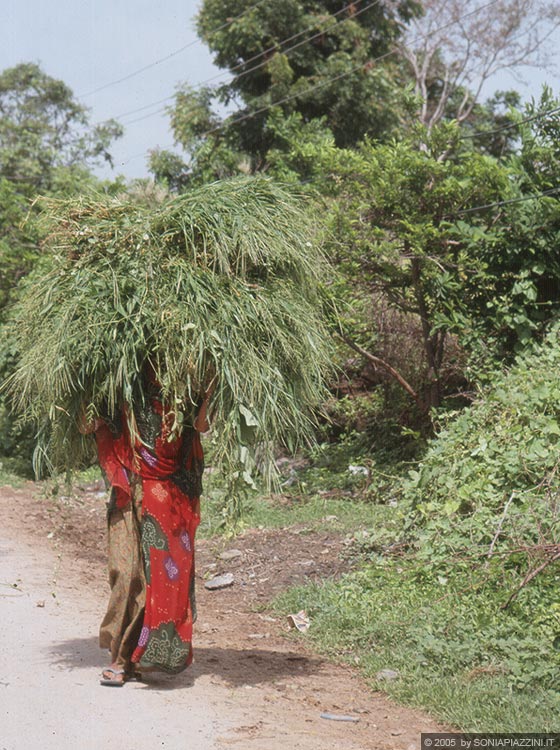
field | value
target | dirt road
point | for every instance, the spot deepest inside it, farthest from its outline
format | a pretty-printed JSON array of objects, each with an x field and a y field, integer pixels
[{"x": 251, "y": 685}]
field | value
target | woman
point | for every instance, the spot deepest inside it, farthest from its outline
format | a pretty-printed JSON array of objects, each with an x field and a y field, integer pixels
[{"x": 153, "y": 514}]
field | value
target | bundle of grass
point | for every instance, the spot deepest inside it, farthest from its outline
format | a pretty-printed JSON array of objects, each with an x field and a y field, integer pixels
[{"x": 216, "y": 290}]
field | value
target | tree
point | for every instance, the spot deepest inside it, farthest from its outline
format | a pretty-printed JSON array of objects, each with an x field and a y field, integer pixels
[
  {"x": 328, "y": 38},
  {"x": 454, "y": 47},
  {"x": 464, "y": 244},
  {"x": 46, "y": 146},
  {"x": 395, "y": 223},
  {"x": 43, "y": 129},
  {"x": 311, "y": 60},
  {"x": 519, "y": 251}
]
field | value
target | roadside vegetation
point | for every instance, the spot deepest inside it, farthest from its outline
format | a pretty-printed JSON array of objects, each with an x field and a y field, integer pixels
[
  {"x": 435, "y": 450},
  {"x": 456, "y": 589}
]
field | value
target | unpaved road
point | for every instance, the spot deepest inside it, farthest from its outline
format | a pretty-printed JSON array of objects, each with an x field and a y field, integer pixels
[
  {"x": 50, "y": 661},
  {"x": 251, "y": 686}
]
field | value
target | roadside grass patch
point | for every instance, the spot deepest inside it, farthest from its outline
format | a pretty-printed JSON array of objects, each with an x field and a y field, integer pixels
[
  {"x": 458, "y": 655},
  {"x": 335, "y": 486},
  {"x": 458, "y": 592},
  {"x": 11, "y": 472},
  {"x": 337, "y": 513}
]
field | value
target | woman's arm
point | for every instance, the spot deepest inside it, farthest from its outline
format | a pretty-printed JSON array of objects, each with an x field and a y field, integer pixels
[{"x": 201, "y": 423}]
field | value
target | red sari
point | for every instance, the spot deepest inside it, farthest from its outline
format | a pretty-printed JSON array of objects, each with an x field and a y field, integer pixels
[{"x": 169, "y": 469}]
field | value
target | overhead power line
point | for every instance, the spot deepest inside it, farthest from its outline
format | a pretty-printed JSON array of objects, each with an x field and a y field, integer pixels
[
  {"x": 277, "y": 47},
  {"x": 322, "y": 84},
  {"x": 472, "y": 209},
  {"x": 338, "y": 77},
  {"x": 466, "y": 136},
  {"x": 169, "y": 56},
  {"x": 510, "y": 125},
  {"x": 499, "y": 204},
  {"x": 463, "y": 211}
]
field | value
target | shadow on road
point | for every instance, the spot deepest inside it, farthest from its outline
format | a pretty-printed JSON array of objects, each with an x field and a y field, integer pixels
[{"x": 235, "y": 667}]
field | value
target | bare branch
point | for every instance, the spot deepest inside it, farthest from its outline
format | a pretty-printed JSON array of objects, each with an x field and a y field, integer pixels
[
  {"x": 532, "y": 574},
  {"x": 453, "y": 44},
  {"x": 499, "y": 529},
  {"x": 387, "y": 367}
]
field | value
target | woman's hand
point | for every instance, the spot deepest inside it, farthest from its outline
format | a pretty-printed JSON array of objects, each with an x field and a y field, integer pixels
[{"x": 85, "y": 426}]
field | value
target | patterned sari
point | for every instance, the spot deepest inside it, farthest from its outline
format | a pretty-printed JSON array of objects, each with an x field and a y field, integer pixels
[{"x": 153, "y": 516}]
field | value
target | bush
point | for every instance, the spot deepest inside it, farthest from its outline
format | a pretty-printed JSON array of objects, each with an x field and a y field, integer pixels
[{"x": 488, "y": 485}]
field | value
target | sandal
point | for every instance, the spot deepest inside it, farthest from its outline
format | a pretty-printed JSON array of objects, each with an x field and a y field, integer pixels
[{"x": 116, "y": 680}]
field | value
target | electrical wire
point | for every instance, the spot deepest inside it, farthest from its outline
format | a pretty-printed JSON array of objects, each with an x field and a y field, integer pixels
[
  {"x": 249, "y": 115},
  {"x": 169, "y": 56},
  {"x": 463, "y": 211},
  {"x": 464, "y": 137},
  {"x": 498, "y": 204},
  {"x": 276, "y": 47},
  {"x": 531, "y": 118},
  {"x": 472, "y": 209},
  {"x": 369, "y": 64}
]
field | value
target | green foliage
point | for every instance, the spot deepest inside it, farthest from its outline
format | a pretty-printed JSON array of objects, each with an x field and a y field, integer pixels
[
  {"x": 490, "y": 124},
  {"x": 488, "y": 483},
  {"x": 18, "y": 240},
  {"x": 298, "y": 146},
  {"x": 215, "y": 288},
  {"x": 11, "y": 472},
  {"x": 168, "y": 169},
  {"x": 515, "y": 295},
  {"x": 457, "y": 654},
  {"x": 478, "y": 531},
  {"x": 43, "y": 128},
  {"x": 17, "y": 440}
]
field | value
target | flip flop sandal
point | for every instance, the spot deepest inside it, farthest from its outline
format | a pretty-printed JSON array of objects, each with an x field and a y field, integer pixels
[{"x": 113, "y": 682}]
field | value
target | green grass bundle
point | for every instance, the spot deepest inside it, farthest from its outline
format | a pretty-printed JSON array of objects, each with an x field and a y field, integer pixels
[{"x": 218, "y": 287}]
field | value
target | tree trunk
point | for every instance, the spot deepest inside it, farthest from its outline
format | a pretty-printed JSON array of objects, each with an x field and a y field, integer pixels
[{"x": 433, "y": 349}]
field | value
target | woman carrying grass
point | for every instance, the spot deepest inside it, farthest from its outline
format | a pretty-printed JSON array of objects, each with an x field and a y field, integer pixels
[
  {"x": 146, "y": 307},
  {"x": 153, "y": 513}
]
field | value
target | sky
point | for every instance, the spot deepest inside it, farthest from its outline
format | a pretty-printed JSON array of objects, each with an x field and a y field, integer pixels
[{"x": 92, "y": 44}]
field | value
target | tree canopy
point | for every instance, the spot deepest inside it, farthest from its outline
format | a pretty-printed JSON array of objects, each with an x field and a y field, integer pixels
[
  {"x": 47, "y": 146},
  {"x": 44, "y": 131},
  {"x": 323, "y": 65}
]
